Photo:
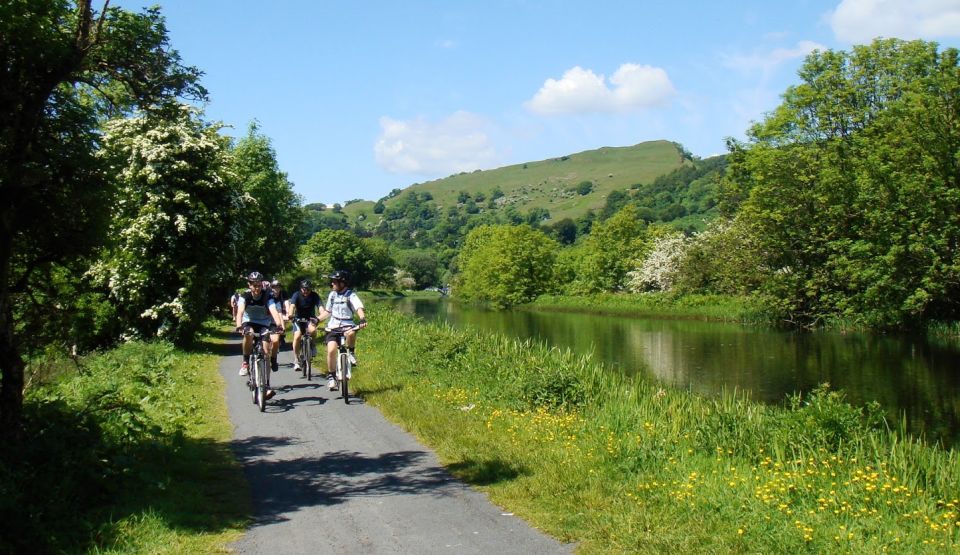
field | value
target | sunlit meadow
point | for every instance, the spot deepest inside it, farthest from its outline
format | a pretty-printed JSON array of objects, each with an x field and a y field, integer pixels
[{"x": 618, "y": 465}]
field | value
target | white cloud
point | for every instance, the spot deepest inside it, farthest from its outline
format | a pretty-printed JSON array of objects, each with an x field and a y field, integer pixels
[
  {"x": 582, "y": 91},
  {"x": 860, "y": 21},
  {"x": 768, "y": 61},
  {"x": 456, "y": 144}
]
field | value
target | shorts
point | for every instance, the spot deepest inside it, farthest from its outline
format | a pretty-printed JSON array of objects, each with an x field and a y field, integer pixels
[
  {"x": 297, "y": 326},
  {"x": 257, "y": 328},
  {"x": 334, "y": 336}
]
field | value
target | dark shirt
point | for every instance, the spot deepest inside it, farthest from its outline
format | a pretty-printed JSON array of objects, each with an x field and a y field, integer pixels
[{"x": 306, "y": 305}]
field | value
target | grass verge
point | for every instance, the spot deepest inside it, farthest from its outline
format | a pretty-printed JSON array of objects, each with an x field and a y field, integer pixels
[
  {"x": 126, "y": 453},
  {"x": 662, "y": 305},
  {"x": 618, "y": 465}
]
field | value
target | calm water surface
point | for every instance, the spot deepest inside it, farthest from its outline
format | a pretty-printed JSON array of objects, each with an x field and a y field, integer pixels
[{"x": 908, "y": 376}]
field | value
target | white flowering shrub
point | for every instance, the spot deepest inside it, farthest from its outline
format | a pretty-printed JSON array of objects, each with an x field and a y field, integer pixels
[
  {"x": 172, "y": 239},
  {"x": 659, "y": 270}
]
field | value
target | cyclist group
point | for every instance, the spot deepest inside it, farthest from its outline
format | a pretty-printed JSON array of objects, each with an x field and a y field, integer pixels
[{"x": 263, "y": 306}]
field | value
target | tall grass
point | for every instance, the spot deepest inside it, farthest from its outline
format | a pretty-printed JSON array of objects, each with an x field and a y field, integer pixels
[
  {"x": 621, "y": 465},
  {"x": 126, "y": 452}
]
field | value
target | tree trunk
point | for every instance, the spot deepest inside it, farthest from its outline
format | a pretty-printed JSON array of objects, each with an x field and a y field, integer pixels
[{"x": 11, "y": 364}]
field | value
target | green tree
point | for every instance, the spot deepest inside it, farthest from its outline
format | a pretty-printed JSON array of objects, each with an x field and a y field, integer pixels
[
  {"x": 422, "y": 267},
  {"x": 367, "y": 260},
  {"x": 271, "y": 216},
  {"x": 850, "y": 187},
  {"x": 506, "y": 265},
  {"x": 65, "y": 68},
  {"x": 171, "y": 240},
  {"x": 564, "y": 231},
  {"x": 613, "y": 248}
]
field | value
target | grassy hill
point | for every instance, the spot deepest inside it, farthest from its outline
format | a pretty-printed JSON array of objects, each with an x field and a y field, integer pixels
[{"x": 548, "y": 184}]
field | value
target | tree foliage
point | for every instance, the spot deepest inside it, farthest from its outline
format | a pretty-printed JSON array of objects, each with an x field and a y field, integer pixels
[
  {"x": 613, "y": 248},
  {"x": 64, "y": 69},
  {"x": 367, "y": 260},
  {"x": 852, "y": 187},
  {"x": 172, "y": 237},
  {"x": 505, "y": 265},
  {"x": 271, "y": 220}
]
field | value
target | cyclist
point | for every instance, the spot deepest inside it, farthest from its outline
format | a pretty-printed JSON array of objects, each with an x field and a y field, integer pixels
[
  {"x": 304, "y": 304},
  {"x": 342, "y": 304},
  {"x": 257, "y": 309},
  {"x": 280, "y": 297},
  {"x": 233, "y": 303}
]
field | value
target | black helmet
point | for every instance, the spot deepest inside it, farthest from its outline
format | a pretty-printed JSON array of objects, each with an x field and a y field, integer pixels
[
  {"x": 254, "y": 276},
  {"x": 340, "y": 275},
  {"x": 306, "y": 284}
]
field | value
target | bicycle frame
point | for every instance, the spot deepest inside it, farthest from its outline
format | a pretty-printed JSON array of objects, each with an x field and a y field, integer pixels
[
  {"x": 260, "y": 377},
  {"x": 344, "y": 371},
  {"x": 306, "y": 347}
]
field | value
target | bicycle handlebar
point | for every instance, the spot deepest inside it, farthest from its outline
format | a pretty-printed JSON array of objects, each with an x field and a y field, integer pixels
[
  {"x": 343, "y": 329},
  {"x": 246, "y": 329}
]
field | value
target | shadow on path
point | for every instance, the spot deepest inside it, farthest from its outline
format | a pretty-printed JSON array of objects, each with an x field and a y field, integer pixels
[{"x": 281, "y": 487}]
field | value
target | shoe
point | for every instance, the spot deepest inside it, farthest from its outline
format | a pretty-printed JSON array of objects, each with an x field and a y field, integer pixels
[
  {"x": 353, "y": 359},
  {"x": 274, "y": 365},
  {"x": 244, "y": 369},
  {"x": 270, "y": 394},
  {"x": 296, "y": 366},
  {"x": 332, "y": 383}
]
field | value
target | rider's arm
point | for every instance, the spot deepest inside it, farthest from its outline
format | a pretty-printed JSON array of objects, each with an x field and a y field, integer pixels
[
  {"x": 323, "y": 313},
  {"x": 276, "y": 315},
  {"x": 363, "y": 317}
]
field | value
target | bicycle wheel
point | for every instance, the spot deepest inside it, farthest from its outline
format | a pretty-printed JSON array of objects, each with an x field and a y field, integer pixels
[
  {"x": 345, "y": 377},
  {"x": 305, "y": 355},
  {"x": 262, "y": 384},
  {"x": 252, "y": 378}
]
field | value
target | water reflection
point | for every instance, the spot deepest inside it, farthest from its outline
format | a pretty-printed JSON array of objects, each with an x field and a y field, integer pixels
[{"x": 907, "y": 376}]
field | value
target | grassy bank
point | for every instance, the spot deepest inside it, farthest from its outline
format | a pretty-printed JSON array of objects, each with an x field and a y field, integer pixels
[
  {"x": 661, "y": 305},
  {"x": 623, "y": 466},
  {"x": 126, "y": 453}
]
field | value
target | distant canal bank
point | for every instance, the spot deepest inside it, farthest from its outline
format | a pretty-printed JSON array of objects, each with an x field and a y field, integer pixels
[{"x": 911, "y": 376}]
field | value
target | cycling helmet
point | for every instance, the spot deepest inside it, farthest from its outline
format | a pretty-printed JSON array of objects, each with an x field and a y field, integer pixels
[
  {"x": 275, "y": 283},
  {"x": 254, "y": 276},
  {"x": 306, "y": 284},
  {"x": 340, "y": 275}
]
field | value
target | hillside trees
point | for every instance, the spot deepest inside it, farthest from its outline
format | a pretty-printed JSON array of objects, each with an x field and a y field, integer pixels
[
  {"x": 64, "y": 69},
  {"x": 271, "y": 218},
  {"x": 505, "y": 265},
  {"x": 852, "y": 187}
]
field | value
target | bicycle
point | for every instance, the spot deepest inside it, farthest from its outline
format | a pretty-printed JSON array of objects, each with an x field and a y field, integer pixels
[
  {"x": 344, "y": 370},
  {"x": 306, "y": 348},
  {"x": 259, "y": 379}
]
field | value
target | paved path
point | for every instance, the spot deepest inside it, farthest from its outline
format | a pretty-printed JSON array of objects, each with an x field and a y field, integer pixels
[{"x": 333, "y": 478}]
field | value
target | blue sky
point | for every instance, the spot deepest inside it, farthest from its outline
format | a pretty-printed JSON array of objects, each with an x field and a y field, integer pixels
[{"x": 360, "y": 98}]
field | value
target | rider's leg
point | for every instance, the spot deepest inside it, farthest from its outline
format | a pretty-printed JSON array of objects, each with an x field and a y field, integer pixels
[
  {"x": 296, "y": 342},
  {"x": 247, "y": 349},
  {"x": 332, "y": 351},
  {"x": 274, "y": 350},
  {"x": 351, "y": 339},
  {"x": 247, "y": 346}
]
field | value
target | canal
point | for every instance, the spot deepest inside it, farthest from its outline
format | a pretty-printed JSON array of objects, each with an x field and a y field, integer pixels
[{"x": 910, "y": 377}]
